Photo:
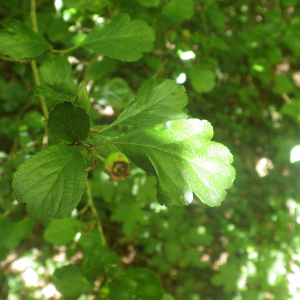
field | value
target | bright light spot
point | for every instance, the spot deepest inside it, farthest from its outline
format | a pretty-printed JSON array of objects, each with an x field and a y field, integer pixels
[
  {"x": 157, "y": 207},
  {"x": 58, "y": 4},
  {"x": 41, "y": 270},
  {"x": 22, "y": 264},
  {"x": 187, "y": 55},
  {"x": 67, "y": 14},
  {"x": 254, "y": 45},
  {"x": 263, "y": 165},
  {"x": 99, "y": 20},
  {"x": 258, "y": 68},
  {"x": 107, "y": 111},
  {"x": 31, "y": 277},
  {"x": 3, "y": 154},
  {"x": 77, "y": 236},
  {"x": 181, "y": 78},
  {"x": 230, "y": 227},
  {"x": 201, "y": 230},
  {"x": 49, "y": 290},
  {"x": 295, "y": 154}
]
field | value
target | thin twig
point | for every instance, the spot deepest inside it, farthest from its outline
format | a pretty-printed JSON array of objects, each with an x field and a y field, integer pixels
[
  {"x": 21, "y": 61},
  {"x": 36, "y": 74},
  {"x": 90, "y": 202}
]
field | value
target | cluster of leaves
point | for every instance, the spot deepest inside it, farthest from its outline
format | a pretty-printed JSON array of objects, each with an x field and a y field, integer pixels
[{"x": 243, "y": 79}]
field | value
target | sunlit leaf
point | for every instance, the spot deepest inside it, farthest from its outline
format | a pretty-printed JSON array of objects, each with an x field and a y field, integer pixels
[
  {"x": 183, "y": 159},
  {"x": 155, "y": 104}
]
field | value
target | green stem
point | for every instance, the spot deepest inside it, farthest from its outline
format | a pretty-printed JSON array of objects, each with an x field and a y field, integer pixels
[
  {"x": 90, "y": 202},
  {"x": 33, "y": 16},
  {"x": 36, "y": 74},
  {"x": 68, "y": 50},
  {"x": 21, "y": 61}
]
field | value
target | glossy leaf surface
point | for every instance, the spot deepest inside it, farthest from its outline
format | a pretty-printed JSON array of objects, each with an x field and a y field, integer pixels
[
  {"x": 155, "y": 104},
  {"x": 184, "y": 160}
]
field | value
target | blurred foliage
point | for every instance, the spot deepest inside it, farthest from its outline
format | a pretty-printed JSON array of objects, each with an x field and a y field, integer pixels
[{"x": 241, "y": 62}]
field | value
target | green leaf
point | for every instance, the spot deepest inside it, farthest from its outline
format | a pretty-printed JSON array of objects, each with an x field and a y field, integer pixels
[
  {"x": 283, "y": 85},
  {"x": 51, "y": 182},
  {"x": 98, "y": 69},
  {"x": 55, "y": 68},
  {"x": 34, "y": 119},
  {"x": 43, "y": 90},
  {"x": 292, "y": 109},
  {"x": 184, "y": 160},
  {"x": 130, "y": 214},
  {"x": 168, "y": 297},
  {"x": 121, "y": 39},
  {"x": 61, "y": 232},
  {"x": 71, "y": 282},
  {"x": 116, "y": 93},
  {"x": 179, "y": 10},
  {"x": 82, "y": 98},
  {"x": 18, "y": 41},
  {"x": 69, "y": 124},
  {"x": 137, "y": 282},
  {"x": 95, "y": 259},
  {"x": 155, "y": 104},
  {"x": 149, "y": 3},
  {"x": 12, "y": 233},
  {"x": 203, "y": 80}
]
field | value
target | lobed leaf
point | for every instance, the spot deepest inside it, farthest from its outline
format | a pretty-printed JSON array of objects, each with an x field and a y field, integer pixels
[
  {"x": 183, "y": 159},
  {"x": 121, "y": 39},
  {"x": 155, "y": 104},
  {"x": 51, "y": 182}
]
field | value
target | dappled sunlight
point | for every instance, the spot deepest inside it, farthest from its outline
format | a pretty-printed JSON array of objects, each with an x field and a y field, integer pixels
[
  {"x": 295, "y": 154},
  {"x": 263, "y": 166}
]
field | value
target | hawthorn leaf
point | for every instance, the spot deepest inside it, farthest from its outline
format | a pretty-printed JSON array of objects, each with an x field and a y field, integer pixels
[
  {"x": 43, "y": 90},
  {"x": 183, "y": 159},
  {"x": 69, "y": 124},
  {"x": 203, "y": 80},
  {"x": 82, "y": 98},
  {"x": 131, "y": 215},
  {"x": 70, "y": 281},
  {"x": 62, "y": 231},
  {"x": 18, "y": 41},
  {"x": 137, "y": 282},
  {"x": 51, "y": 182},
  {"x": 55, "y": 68},
  {"x": 155, "y": 104},
  {"x": 178, "y": 10},
  {"x": 122, "y": 39},
  {"x": 95, "y": 260}
]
